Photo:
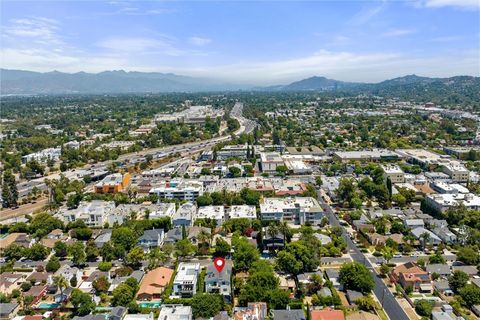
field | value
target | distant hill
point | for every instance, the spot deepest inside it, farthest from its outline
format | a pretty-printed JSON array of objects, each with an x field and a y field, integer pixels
[
  {"x": 27, "y": 82},
  {"x": 313, "y": 84},
  {"x": 460, "y": 89}
]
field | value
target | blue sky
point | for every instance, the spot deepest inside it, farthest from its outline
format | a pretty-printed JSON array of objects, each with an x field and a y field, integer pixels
[{"x": 258, "y": 42}]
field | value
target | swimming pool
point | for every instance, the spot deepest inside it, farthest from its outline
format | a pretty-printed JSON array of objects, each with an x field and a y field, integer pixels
[
  {"x": 45, "y": 305},
  {"x": 150, "y": 304}
]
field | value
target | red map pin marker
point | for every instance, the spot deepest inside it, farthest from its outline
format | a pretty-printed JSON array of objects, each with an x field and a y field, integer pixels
[{"x": 219, "y": 263}]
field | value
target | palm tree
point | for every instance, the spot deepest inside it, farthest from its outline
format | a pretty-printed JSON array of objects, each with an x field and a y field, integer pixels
[
  {"x": 426, "y": 238},
  {"x": 61, "y": 283},
  {"x": 204, "y": 236},
  {"x": 272, "y": 231},
  {"x": 284, "y": 230}
]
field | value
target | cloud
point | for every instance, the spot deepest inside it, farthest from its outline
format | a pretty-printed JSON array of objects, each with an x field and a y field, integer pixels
[
  {"x": 367, "y": 14},
  {"x": 465, "y": 4},
  {"x": 199, "y": 41},
  {"x": 397, "y": 32},
  {"x": 36, "y": 29}
]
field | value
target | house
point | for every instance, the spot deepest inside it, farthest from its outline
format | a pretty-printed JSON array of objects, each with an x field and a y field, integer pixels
[
  {"x": 441, "y": 315},
  {"x": 117, "y": 313},
  {"x": 362, "y": 315},
  {"x": 10, "y": 281},
  {"x": 151, "y": 239},
  {"x": 173, "y": 235},
  {"x": 38, "y": 277},
  {"x": 353, "y": 296},
  {"x": 410, "y": 274},
  {"x": 296, "y": 314},
  {"x": 21, "y": 239},
  {"x": 432, "y": 239},
  {"x": 253, "y": 311},
  {"x": 194, "y": 232},
  {"x": 445, "y": 235},
  {"x": 184, "y": 215},
  {"x": 8, "y": 310},
  {"x": 185, "y": 282},
  {"x": 438, "y": 268},
  {"x": 273, "y": 241},
  {"x": 68, "y": 272},
  {"x": 414, "y": 223},
  {"x": 327, "y": 314},
  {"x": 305, "y": 278},
  {"x": 154, "y": 283},
  {"x": 443, "y": 287},
  {"x": 175, "y": 312},
  {"x": 63, "y": 296},
  {"x": 103, "y": 237},
  {"x": 37, "y": 292},
  {"x": 333, "y": 276},
  {"x": 219, "y": 282},
  {"x": 470, "y": 270}
]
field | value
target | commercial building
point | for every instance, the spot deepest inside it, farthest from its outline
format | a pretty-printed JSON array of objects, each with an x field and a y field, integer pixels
[
  {"x": 456, "y": 171},
  {"x": 185, "y": 282},
  {"x": 233, "y": 151},
  {"x": 441, "y": 202},
  {"x": 270, "y": 161},
  {"x": 179, "y": 190},
  {"x": 366, "y": 155},
  {"x": 393, "y": 172},
  {"x": 298, "y": 210},
  {"x": 297, "y": 166},
  {"x": 113, "y": 183}
]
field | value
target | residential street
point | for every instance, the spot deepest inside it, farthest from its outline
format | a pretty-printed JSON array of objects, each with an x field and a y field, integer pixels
[{"x": 389, "y": 303}]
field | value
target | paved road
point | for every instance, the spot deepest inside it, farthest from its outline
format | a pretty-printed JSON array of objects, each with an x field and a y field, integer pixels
[{"x": 390, "y": 304}]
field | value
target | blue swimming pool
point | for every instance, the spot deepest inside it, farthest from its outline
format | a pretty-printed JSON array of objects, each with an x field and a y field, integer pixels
[
  {"x": 45, "y": 305},
  {"x": 150, "y": 304}
]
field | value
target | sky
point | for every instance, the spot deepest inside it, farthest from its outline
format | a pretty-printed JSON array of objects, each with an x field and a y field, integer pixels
[{"x": 256, "y": 42}]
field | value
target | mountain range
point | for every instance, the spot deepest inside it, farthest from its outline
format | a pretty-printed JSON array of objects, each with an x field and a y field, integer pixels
[{"x": 17, "y": 82}]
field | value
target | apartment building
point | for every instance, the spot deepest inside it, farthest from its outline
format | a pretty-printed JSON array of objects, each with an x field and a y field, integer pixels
[
  {"x": 393, "y": 172},
  {"x": 219, "y": 282},
  {"x": 216, "y": 213},
  {"x": 270, "y": 161},
  {"x": 96, "y": 213},
  {"x": 113, "y": 183},
  {"x": 184, "y": 215},
  {"x": 183, "y": 190},
  {"x": 298, "y": 210}
]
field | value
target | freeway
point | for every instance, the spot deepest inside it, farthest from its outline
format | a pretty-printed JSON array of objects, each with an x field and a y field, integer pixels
[
  {"x": 246, "y": 126},
  {"x": 381, "y": 291}
]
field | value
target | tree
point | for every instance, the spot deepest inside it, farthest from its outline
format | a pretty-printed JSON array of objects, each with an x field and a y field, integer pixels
[
  {"x": 82, "y": 302},
  {"x": 424, "y": 308},
  {"x": 9, "y": 190},
  {"x": 288, "y": 263},
  {"x": 206, "y": 305},
  {"x": 101, "y": 285},
  {"x": 222, "y": 248},
  {"x": 123, "y": 294},
  {"x": 384, "y": 269},
  {"x": 436, "y": 258},
  {"x": 318, "y": 181},
  {"x": 61, "y": 283},
  {"x": 387, "y": 253},
  {"x": 77, "y": 251},
  {"x": 73, "y": 281},
  {"x": 470, "y": 295},
  {"x": 91, "y": 251},
  {"x": 14, "y": 252},
  {"x": 107, "y": 251},
  {"x": 135, "y": 256},
  {"x": 44, "y": 223},
  {"x": 105, "y": 266},
  {"x": 124, "y": 237},
  {"x": 53, "y": 264},
  {"x": 235, "y": 172},
  {"x": 278, "y": 299},
  {"x": 458, "y": 280},
  {"x": 245, "y": 254},
  {"x": 184, "y": 248},
  {"x": 425, "y": 239},
  {"x": 468, "y": 255},
  {"x": 356, "y": 276},
  {"x": 37, "y": 252},
  {"x": 156, "y": 257},
  {"x": 366, "y": 303},
  {"x": 61, "y": 249}
]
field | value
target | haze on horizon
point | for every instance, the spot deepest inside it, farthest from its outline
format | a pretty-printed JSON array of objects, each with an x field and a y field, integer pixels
[{"x": 255, "y": 42}]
